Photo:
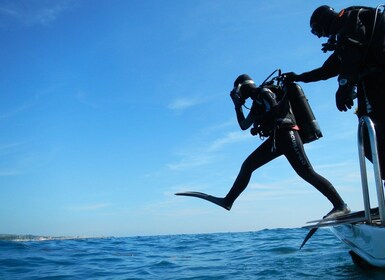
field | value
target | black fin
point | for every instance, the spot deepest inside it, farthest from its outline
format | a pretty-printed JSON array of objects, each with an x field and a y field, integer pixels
[
  {"x": 308, "y": 236},
  {"x": 213, "y": 199}
]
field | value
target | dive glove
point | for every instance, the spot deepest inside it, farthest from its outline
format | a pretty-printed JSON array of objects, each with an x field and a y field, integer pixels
[
  {"x": 344, "y": 95},
  {"x": 237, "y": 100},
  {"x": 292, "y": 77}
]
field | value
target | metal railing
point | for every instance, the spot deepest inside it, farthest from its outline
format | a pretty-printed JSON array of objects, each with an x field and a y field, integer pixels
[{"x": 366, "y": 122}]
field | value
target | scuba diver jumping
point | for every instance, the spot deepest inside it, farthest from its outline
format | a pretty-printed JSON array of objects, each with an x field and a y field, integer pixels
[{"x": 271, "y": 116}]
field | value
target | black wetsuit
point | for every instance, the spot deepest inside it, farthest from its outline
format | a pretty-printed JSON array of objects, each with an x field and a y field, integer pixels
[
  {"x": 278, "y": 124},
  {"x": 359, "y": 57}
]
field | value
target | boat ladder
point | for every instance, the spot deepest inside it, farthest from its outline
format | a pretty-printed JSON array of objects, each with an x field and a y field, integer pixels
[{"x": 366, "y": 122}]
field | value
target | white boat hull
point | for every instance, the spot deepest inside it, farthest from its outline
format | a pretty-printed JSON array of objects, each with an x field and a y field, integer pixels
[{"x": 366, "y": 241}]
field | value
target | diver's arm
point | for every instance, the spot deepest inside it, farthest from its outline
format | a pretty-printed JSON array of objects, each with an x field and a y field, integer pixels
[
  {"x": 328, "y": 70},
  {"x": 244, "y": 123}
]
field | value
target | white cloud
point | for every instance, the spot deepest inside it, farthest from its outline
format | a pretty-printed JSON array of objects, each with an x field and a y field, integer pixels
[
  {"x": 6, "y": 148},
  {"x": 206, "y": 154},
  {"x": 189, "y": 161},
  {"x": 230, "y": 138},
  {"x": 33, "y": 12},
  {"x": 90, "y": 207},
  {"x": 8, "y": 173},
  {"x": 8, "y": 11},
  {"x": 83, "y": 98},
  {"x": 15, "y": 111},
  {"x": 183, "y": 103}
]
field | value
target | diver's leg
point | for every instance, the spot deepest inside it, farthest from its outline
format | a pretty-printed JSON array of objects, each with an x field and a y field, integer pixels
[
  {"x": 295, "y": 153},
  {"x": 262, "y": 155}
]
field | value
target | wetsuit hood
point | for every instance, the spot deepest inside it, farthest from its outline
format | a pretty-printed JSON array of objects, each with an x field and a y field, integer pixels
[
  {"x": 321, "y": 21},
  {"x": 244, "y": 86}
]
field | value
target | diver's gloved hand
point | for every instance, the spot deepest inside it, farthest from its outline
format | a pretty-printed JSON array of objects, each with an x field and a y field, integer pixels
[
  {"x": 237, "y": 100},
  {"x": 330, "y": 45},
  {"x": 254, "y": 131},
  {"x": 344, "y": 95},
  {"x": 327, "y": 47},
  {"x": 292, "y": 77}
]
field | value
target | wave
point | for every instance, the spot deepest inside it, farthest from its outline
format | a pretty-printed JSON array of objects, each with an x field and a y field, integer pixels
[{"x": 30, "y": 237}]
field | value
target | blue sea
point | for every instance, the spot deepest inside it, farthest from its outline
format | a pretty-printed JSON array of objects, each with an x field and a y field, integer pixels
[{"x": 265, "y": 254}]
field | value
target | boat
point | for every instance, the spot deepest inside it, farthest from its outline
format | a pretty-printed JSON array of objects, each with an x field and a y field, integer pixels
[{"x": 363, "y": 231}]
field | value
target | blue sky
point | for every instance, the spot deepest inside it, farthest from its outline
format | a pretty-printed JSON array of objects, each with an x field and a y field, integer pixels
[{"x": 107, "y": 108}]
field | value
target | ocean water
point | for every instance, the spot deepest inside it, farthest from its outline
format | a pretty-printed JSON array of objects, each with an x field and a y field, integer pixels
[{"x": 265, "y": 254}]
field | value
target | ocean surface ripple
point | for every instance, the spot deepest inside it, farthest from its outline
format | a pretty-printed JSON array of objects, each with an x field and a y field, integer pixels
[{"x": 265, "y": 254}]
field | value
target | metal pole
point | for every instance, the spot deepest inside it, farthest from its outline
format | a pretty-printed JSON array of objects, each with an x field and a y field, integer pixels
[
  {"x": 364, "y": 177},
  {"x": 366, "y": 121}
]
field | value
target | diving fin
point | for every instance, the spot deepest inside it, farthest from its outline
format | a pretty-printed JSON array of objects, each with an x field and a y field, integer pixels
[
  {"x": 213, "y": 199},
  {"x": 308, "y": 236}
]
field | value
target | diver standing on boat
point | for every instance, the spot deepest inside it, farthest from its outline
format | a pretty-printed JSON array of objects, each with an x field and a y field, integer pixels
[
  {"x": 357, "y": 39},
  {"x": 271, "y": 117}
]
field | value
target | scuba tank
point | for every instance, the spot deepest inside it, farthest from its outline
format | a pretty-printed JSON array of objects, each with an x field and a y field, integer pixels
[{"x": 309, "y": 129}]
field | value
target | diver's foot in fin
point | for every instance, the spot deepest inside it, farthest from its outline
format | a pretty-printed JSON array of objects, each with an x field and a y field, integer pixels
[
  {"x": 216, "y": 200},
  {"x": 219, "y": 201},
  {"x": 333, "y": 214},
  {"x": 337, "y": 211}
]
